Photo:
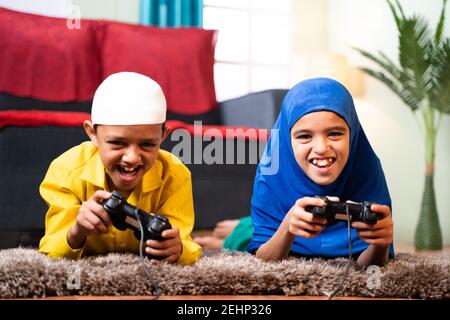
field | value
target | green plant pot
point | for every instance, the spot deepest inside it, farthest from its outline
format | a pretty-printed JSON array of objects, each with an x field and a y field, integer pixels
[{"x": 428, "y": 232}]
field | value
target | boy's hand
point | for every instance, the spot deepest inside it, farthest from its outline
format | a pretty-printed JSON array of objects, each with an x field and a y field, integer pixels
[
  {"x": 303, "y": 223},
  {"x": 170, "y": 248},
  {"x": 91, "y": 218},
  {"x": 379, "y": 234}
]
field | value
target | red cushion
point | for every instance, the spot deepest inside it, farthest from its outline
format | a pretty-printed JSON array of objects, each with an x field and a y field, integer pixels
[
  {"x": 181, "y": 60},
  {"x": 43, "y": 59},
  {"x": 38, "y": 118}
]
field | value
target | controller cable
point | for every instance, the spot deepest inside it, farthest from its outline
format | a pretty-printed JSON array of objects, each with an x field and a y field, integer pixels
[
  {"x": 349, "y": 255},
  {"x": 157, "y": 293}
]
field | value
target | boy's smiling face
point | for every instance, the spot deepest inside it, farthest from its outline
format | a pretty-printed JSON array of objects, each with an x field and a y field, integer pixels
[
  {"x": 320, "y": 141},
  {"x": 127, "y": 152}
]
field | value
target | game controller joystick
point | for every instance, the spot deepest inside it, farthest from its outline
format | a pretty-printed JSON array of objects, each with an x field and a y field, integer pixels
[
  {"x": 125, "y": 215},
  {"x": 336, "y": 210}
]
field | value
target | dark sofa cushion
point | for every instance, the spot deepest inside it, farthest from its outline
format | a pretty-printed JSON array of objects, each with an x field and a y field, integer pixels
[
  {"x": 223, "y": 189},
  {"x": 25, "y": 157},
  {"x": 258, "y": 109},
  {"x": 212, "y": 117},
  {"x": 12, "y": 102}
]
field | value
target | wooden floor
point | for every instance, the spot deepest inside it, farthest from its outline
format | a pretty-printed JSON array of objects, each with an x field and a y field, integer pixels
[
  {"x": 209, "y": 297},
  {"x": 409, "y": 248}
]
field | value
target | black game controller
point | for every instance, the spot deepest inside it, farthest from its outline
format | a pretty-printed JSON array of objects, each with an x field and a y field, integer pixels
[
  {"x": 336, "y": 210},
  {"x": 125, "y": 215}
]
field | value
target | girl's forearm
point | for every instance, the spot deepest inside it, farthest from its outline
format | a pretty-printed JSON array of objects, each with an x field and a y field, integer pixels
[
  {"x": 279, "y": 245},
  {"x": 374, "y": 255}
]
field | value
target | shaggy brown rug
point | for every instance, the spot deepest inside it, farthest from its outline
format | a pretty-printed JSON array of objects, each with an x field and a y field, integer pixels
[{"x": 27, "y": 273}]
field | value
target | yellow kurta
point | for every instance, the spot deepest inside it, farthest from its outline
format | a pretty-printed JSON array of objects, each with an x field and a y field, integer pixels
[{"x": 73, "y": 178}]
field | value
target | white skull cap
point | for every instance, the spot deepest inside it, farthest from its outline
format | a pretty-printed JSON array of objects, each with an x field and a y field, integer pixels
[{"x": 128, "y": 98}]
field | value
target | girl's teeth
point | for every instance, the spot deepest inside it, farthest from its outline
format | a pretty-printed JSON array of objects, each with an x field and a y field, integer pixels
[{"x": 322, "y": 162}]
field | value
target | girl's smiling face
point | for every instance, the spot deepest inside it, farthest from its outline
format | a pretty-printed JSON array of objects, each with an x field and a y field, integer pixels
[{"x": 321, "y": 141}]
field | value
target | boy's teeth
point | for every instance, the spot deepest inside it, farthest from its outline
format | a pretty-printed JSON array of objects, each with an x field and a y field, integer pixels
[{"x": 128, "y": 170}]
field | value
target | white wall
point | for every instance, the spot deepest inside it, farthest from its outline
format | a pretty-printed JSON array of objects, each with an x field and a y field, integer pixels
[
  {"x": 54, "y": 8},
  {"x": 389, "y": 124},
  {"x": 310, "y": 26},
  {"x": 119, "y": 10}
]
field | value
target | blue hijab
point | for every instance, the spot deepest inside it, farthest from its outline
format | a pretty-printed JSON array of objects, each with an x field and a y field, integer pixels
[{"x": 280, "y": 181}]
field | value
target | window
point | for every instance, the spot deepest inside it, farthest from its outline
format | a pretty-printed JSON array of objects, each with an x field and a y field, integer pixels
[{"x": 253, "y": 50}]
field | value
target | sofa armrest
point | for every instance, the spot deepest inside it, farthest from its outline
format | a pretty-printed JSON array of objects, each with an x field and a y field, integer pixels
[{"x": 258, "y": 110}]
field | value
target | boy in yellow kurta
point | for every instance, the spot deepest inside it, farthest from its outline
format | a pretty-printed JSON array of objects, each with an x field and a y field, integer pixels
[{"x": 126, "y": 131}]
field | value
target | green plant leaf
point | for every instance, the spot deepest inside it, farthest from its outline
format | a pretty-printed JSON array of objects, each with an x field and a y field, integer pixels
[
  {"x": 401, "y": 10},
  {"x": 385, "y": 63},
  {"x": 440, "y": 26},
  {"x": 405, "y": 95},
  {"x": 441, "y": 94},
  {"x": 414, "y": 55},
  {"x": 422, "y": 77},
  {"x": 394, "y": 13}
]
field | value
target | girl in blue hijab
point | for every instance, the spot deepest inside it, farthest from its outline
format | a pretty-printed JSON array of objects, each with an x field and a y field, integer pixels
[{"x": 318, "y": 148}]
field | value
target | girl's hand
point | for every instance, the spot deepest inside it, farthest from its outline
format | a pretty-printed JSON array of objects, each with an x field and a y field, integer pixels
[
  {"x": 380, "y": 234},
  {"x": 303, "y": 223}
]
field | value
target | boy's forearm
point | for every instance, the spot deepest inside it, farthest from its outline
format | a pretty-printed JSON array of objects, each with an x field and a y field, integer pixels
[
  {"x": 279, "y": 245},
  {"x": 374, "y": 255},
  {"x": 75, "y": 238}
]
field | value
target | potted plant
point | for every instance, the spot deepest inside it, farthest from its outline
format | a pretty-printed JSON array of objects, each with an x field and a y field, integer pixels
[{"x": 422, "y": 81}]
